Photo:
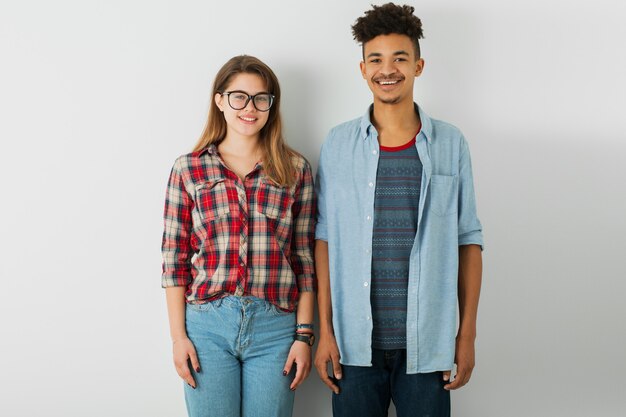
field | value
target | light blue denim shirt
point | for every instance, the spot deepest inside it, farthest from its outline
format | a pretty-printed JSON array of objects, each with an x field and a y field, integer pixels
[{"x": 447, "y": 219}]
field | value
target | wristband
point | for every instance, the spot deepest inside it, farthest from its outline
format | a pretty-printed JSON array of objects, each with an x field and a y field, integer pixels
[{"x": 309, "y": 340}]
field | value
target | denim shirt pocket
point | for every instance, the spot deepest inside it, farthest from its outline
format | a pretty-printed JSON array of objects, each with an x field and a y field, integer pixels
[
  {"x": 443, "y": 194},
  {"x": 212, "y": 199}
]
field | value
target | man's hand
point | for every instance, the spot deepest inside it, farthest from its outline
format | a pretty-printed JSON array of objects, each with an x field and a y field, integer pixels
[
  {"x": 464, "y": 360},
  {"x": 327, "y": 351}
]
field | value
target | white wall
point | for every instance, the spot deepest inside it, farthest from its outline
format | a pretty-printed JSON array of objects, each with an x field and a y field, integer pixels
[{"x": 97, "y": 99}]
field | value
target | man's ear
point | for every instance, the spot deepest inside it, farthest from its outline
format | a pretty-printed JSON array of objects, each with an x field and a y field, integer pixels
[{"x": 419, "y": 67}]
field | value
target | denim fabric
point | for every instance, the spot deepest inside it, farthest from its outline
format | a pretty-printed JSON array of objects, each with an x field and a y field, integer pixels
[
  {"x": 446, "y": 220},
  {"x": 242, "y": 345},
  {"x": 367, "y": 391}
]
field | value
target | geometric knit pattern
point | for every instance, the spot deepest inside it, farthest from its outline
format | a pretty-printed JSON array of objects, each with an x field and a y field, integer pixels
[{"x": 396, "y": 205}]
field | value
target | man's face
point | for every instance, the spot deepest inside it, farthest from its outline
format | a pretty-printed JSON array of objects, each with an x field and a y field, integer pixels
[{"x": 390, "y": 68}]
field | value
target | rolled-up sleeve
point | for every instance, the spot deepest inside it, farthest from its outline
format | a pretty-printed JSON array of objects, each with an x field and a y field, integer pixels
[
  {"x": 176, "y": 247},
  {"x": 470, "y": 229},
  {"x": 303, "y": 210},
  {"x": 321, "y": 228}
]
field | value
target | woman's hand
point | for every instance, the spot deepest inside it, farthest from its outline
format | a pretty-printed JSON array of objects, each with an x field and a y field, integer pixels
[
  {"x": 185, "y": 352},
  {"x": 300, "y": 354}
]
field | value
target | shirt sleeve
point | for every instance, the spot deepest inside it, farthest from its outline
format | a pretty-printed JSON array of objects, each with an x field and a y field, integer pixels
[
  {"x": 470, "y": 229},
  {"x": 321, "y": 228},
  {"x": 176, "y": 247},
  {"x": 303, "y": 211}
]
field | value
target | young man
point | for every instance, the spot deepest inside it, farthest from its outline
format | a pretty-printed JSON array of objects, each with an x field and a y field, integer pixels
[{"x": 398, "y": 240}]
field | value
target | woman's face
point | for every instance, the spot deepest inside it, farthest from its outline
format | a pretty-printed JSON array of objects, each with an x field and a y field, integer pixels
[{"x": 248, "y": 121}]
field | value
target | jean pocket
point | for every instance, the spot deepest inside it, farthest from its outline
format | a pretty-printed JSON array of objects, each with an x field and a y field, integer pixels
[
  {"x": 443, "y": 194},
  {"x": 205, "y": 306},
  {"x": 199, "y": 306},
  {"x": 277, "y": 311},
  {"x": 212, "y": 199},
  {"x": 272, "y": 201}
]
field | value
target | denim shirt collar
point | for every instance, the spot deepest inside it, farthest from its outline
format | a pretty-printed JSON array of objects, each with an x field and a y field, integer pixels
[{"x": 426, "y": 130}]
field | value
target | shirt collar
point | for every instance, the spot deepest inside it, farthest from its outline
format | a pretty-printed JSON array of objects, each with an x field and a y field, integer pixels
[
  {"x": 426, "y": 130},
  {"x": 212, "y": 150}
]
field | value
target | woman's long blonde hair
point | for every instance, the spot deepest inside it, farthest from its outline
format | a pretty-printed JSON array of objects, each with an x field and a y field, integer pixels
[{"x": 277, "y": 162}]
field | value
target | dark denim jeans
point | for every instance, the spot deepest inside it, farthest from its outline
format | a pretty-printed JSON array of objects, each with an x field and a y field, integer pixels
[{"x": 367, "y": 391}]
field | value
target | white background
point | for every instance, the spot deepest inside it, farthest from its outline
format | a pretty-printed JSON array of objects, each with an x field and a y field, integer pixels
[{"x": 98, "y": 98}]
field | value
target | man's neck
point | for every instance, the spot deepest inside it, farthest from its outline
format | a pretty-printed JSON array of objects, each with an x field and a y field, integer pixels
[{"x": 396, "y": 123}]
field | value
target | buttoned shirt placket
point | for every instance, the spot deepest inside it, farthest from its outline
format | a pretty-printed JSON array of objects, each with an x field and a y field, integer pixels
[
  {"x": 243, "y": 188},
  {"x": 243, "y": 237}
]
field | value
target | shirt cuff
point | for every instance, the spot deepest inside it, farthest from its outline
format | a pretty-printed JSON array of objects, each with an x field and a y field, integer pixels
[
  {"x": 321, "y": 232},
  {"x": 175, "y": 279},
  {"x": 307, "y": 283},
  {"x": 472, "y": 238}
]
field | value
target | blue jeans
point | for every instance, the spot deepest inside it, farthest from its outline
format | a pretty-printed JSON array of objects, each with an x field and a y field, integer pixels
[
  {"x": 242, "y": 345},
  {"x": 367, "y": 391}
]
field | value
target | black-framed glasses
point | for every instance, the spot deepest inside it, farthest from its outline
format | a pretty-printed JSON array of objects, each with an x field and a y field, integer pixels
[{"x": 238, "y": 100}]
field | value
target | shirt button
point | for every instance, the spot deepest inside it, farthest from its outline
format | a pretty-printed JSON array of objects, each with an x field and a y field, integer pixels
[
  {"x": 367, "y": 318},
  {"x": 371, "y": 184},
  {"x": 365, "y": 284},
  {"x": 367, "y": 250},
  {"x": 241, "y": 264},
  {"x": 374, "y": 152},
  {"x": 369, "y": 217}
]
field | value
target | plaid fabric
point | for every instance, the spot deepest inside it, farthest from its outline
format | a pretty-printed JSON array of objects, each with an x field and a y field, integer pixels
[{"x": 223, "y": 236}]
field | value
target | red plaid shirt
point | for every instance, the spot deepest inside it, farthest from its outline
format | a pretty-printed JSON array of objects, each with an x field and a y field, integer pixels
[{"x": 224, "y": 236}]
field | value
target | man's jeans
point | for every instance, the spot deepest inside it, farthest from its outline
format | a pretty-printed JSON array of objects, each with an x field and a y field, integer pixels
[
  {"x": 367, "y": 391},
  {"x": 242, "y": 345}
]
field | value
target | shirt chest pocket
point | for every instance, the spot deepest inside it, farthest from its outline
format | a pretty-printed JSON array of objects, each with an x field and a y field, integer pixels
[
  {"x": 272, "y": 201},
  {"x": 212, "y": 199},
  {"x": 443, "y": 194}
]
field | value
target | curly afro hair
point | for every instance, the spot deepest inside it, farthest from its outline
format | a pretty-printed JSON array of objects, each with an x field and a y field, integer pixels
[{"x": 386, "y": 19}]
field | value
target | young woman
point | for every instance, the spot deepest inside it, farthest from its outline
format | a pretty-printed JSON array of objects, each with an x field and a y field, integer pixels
[{"x": 237, "y": 254}]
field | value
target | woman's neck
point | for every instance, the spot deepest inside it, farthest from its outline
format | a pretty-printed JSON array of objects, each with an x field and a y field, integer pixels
[{"x": 240, "y": 146}]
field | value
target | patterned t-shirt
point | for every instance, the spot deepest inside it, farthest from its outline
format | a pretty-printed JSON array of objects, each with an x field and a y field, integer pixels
[{"x": 396, "y": 205}]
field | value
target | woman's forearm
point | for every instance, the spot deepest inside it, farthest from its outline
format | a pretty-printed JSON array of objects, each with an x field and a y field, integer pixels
[
  {"x": 304, "y": 312},
  {"x": 176, "y": 312}
]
